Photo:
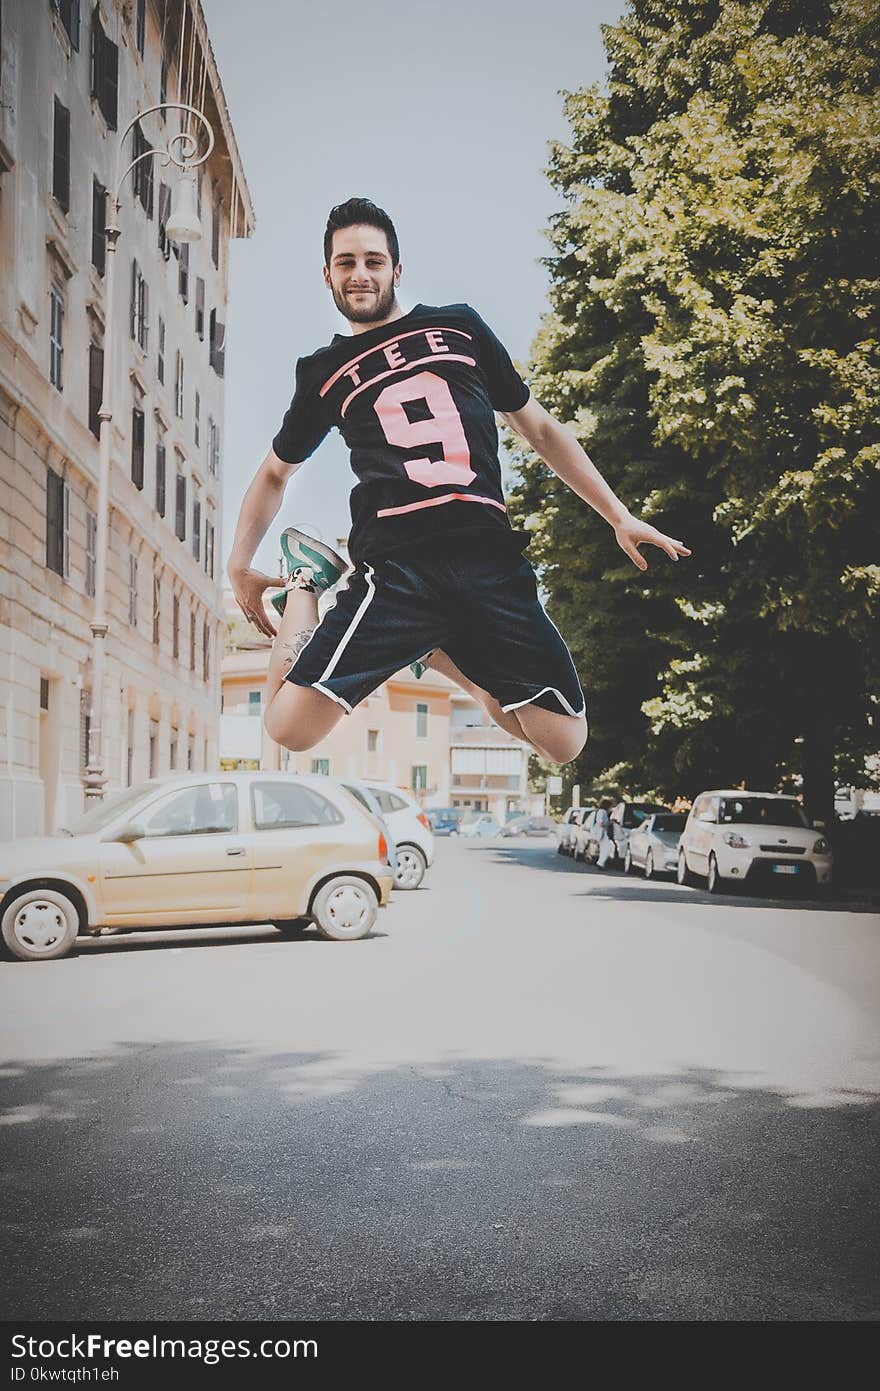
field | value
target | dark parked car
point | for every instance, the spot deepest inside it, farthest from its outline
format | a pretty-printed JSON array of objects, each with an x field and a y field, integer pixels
[{"x": 445, "y": 821}]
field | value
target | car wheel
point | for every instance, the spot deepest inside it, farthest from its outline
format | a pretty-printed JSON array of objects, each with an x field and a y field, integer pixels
[
  {"x": 713, "y": 878},
  {"x": 411, "y": 866},
  {"x": 292, "y": 927},
  {"x": 649, "y": 865},
  {"x": 345, "y": 908},
  {"x": 40, "y": 925},
  {"x": 628, "y": 865},
  {"x": 683, "y": 874}
]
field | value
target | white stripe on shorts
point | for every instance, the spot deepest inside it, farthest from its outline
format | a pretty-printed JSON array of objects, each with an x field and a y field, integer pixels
[{"x": 350, "y": 630}]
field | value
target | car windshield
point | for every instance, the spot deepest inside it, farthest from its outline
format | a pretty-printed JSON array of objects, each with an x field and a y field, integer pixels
[
  {"x": 762, "y": 811},
  {"x": 105, "y": 812},
  {"x": 672, "y": 821}
]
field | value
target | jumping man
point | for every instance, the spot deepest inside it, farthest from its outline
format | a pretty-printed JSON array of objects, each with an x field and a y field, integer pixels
[{"x": 439, "y": 576}]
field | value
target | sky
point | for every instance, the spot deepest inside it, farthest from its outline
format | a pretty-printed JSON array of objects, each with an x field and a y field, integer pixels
[{"x": 440, "y": 111}]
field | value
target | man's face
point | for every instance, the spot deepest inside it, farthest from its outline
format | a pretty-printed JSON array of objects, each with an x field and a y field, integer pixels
[{"x": 361, "y": 277}]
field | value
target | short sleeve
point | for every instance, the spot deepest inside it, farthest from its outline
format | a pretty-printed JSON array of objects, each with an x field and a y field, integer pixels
[
  {"x": 305, "y": 422},
  {"x": 507, "y": 390}
]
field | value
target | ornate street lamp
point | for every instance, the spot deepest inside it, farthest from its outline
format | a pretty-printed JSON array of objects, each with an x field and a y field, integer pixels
[{"x": 182, "y": 225}]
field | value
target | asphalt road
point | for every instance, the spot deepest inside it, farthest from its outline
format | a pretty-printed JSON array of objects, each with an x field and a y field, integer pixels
[{"x": 539, "y": 1092}]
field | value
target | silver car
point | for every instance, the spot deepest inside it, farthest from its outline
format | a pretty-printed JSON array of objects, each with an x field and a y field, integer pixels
[{"x": 653, "y": 845}]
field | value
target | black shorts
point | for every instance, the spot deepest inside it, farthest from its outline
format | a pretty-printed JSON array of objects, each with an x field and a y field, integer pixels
[{"x": 480, "y": 607}]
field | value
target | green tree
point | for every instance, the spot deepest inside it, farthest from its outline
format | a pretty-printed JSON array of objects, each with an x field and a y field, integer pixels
[{"x": 713, "y": 342}]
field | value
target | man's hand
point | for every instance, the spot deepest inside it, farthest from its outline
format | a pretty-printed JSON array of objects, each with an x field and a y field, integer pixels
[
  {"x": 631, "y": 533},
  {"x": 248, "y": 587}
]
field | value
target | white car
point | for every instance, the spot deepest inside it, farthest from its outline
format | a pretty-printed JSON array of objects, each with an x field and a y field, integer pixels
[
  {"x": 413, "y": 837},
  {"x": 731, "y": 836},
  {"x": 653, "y": 845}
]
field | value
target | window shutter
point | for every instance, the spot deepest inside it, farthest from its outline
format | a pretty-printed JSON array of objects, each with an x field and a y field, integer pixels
[
  {"x": 134, "y": 299},
  {"x": 200, "y": 308},
  {"x": 96, "y": 376},
  {"x": 109, "y": 95},
  {"x": 183, "y": 272},
  {"x": 61, "y": 156}
]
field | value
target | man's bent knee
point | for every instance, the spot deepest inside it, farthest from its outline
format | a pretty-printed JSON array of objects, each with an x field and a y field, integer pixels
[{"x": 299, "y": 717}]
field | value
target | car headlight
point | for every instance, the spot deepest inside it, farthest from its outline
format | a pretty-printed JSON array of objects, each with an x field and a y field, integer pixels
[
  {"x": 821, "y": 847},
  {"x": 735, "y": 840}
]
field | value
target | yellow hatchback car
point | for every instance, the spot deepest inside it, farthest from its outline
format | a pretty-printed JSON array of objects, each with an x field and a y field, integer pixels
[{"x": 199, "y": 848}]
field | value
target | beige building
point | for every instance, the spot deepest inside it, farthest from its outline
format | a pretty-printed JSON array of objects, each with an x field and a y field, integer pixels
[
  {"x": 425, "y": 735},
  {"x": 73, "y": 73}
]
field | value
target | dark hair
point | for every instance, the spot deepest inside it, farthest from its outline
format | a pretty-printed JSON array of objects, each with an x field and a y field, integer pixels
[{"x": 360, "y": 212}]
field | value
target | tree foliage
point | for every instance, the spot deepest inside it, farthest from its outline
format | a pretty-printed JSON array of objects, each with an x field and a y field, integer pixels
[{"x": 713, "y": 343}]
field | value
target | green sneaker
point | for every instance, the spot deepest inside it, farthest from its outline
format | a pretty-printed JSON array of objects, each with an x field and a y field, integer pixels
[{"x": 311, "y": 560}]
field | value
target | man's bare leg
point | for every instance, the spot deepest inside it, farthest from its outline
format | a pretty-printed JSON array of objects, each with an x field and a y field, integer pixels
[
  {"x": 558, "y": 738},
  {"x": 297, "y": 717}
]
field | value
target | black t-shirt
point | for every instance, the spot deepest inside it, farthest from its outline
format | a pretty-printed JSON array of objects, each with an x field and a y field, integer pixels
[{"x": 414, "y": 401}]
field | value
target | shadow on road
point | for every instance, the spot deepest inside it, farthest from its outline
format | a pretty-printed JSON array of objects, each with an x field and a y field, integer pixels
[
  {"x": 632, "y": 888},
  {"x": 191, "y": 1181}
]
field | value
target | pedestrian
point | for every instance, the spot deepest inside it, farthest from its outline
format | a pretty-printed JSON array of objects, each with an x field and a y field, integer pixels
[
  {"x": 604, "y": 837},
  {"x": 438, "y": 575}
]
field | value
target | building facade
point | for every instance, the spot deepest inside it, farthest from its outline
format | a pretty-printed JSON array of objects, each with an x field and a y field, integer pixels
[{"x": 73, "y": 74}]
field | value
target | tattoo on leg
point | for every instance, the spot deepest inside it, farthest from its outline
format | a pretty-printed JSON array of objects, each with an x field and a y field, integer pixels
[{"x": 294, "y": 646}]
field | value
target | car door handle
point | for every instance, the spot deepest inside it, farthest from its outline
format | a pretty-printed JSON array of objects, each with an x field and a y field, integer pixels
[{"x": 235, "y": 852}]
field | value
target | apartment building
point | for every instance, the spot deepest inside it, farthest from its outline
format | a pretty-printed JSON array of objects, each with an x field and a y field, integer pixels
[{"x": 73, "y": 74}]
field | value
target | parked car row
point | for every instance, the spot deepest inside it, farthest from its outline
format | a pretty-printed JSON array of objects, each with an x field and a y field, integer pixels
[
  {"x": 727, "y": 837},
  {"x": 215, "y": 848}
]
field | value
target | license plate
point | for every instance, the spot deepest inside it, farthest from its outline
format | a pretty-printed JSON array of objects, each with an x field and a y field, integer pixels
[{"x": 786, "y": 869}]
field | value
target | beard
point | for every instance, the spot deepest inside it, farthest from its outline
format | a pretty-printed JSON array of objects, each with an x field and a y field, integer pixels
[{"x": 378, "y": 308}]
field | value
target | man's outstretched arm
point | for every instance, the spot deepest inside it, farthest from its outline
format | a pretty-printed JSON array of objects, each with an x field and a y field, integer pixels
[
  {"x": 561, "y": 452},
  {"x": 258, "y": 508}
]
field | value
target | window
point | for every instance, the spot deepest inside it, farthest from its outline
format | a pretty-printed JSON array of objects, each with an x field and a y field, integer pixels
[
  {"x": 421, "y": 721},
  {"x": 173, "y": 745},
  {"x": 142, "y": 174},
  {"x": 105, "y": 71},
  {"x": 183, "y": 272},
  {"x": 160, "y": 356},
  {"x": 178, "y": 385},
  {"x": 197, "y": 407},
  {"x": 57, "y": 523},
  {"x": 56, "y": 338},
  {"x": 157, "y": 609},
  {"x": 207, "y": 809},
  {"x": 180, "y": 509},
  {"x": 91, "y": 551},
  {"x": 175, "y": 627},
  {"x": 419, "y": 777},
  {"x": 200, "y": 308},
  {"x": 163, "y": 85},
  {"x": 137, "y": 448},
  {"x": 132, "y": 591},
  {"x": 254, "y": 701},
  {"x": 372, "y": 740},
  {"x": 289, "y": 804},
  {"x": 209, "y": 549},
  {"x": 139, "y": 307},
  {"x": 61, "y": 156},
  {"x": 164, "y": 211},
  {"x": 68, "y": 12},
  {"x": 197, "y": 529},
  {"x": 160, "y": 478},
  {"x": 192, "y": 641},
  {"x": 85, "y": 731},
  {"x": 215, "y": 225},
  {"x": 99, "y": 223},
  {"x": 96, "y": 387},
  {"x": 44, "y": 693},
  {"x": 213, "y": 448},
  {"x": 206, "y": 652},
  {"x": 199, "y": 181},
  {"x": 388, "y": 801},
  {"x": 140, "y": 25},
  {"x": 217, "y": 343},
  {"x": 321, "y": 766},
  {"x": 154, "y": 747},
  {"x": 191, "y": 753},
  {"x": 129, "y": 749}
]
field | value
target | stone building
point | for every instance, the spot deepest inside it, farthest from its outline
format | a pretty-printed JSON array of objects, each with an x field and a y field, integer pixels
[{"x": 73, "y": 74}]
